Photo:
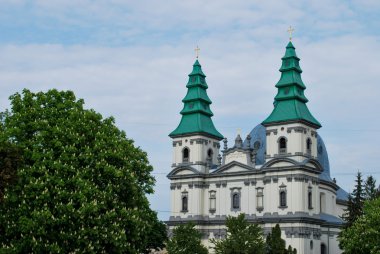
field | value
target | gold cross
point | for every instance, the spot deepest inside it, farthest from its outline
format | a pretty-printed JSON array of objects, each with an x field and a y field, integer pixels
[
  {"x": 290, "y": 31},
  {"x": 239, "y": 131},
  {"x": 197, "y": 51}
]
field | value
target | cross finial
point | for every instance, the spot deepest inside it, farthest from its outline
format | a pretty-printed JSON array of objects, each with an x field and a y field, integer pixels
[
  {"x": 290, "y": 31},
  {"x": 238, "y": 131},
  {"x": 197, "y": 49}
]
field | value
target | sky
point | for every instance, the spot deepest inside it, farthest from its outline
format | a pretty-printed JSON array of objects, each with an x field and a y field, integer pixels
[{"x": 130, "y": 60}]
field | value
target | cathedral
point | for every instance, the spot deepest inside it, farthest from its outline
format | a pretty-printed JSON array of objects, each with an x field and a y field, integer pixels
[{"x": 278, "y": 173}]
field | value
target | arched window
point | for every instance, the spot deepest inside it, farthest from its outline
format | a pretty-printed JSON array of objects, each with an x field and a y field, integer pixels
[
  {"x": 323, "y": 249},
  {"x": 308, "y": 145},
  {"x": 236, "y": 201},
  {"x": 310, "y": 199},
  {"x": 282, "y": 198},
  {"x": 209, "y": 155},
  {"x": 184, "y": 204},
  {"x": 185, "y": 154},
  {"x": 282, "y": 145}
]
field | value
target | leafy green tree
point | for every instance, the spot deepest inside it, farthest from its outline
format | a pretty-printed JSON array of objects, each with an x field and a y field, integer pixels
[
  {"x": 10, "y": 161},
  {"x": 362, "y": 237},
  {"x": 242, "y": 237},
  {"x": 355, "y": 202},
  {"x": 186, "y": 240},
  {"x": 275, "y": 244},
  {"x": 370, "y": 188},
  {"x": 157, "y": 236},
  {"x": 82, "y": 185}
]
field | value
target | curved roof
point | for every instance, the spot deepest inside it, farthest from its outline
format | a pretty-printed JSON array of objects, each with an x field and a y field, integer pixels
[{"x": 258, "y": 139}]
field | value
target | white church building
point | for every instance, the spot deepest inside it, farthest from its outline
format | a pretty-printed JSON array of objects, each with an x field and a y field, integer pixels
[{"x": 279, "y": 173}]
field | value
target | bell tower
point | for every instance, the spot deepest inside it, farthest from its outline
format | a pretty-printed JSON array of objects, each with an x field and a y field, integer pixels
[
  {"x": 291, "y": 129},
  {"x": 196, "y": 140}
]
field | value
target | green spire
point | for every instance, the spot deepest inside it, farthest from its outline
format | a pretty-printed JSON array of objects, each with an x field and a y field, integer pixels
[
  {"x": 290, "y": 101},
  {"x": 196, "y": 112}
]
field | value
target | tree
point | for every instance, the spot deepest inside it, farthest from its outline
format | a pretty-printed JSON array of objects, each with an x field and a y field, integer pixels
[
  {"x": 364, "y": 234},
  {"x": 186, "y": 240},
  {"x": 242, "y": 237},
  {"x": 275, "y": 244},
  {"x": 157, "y": 235},
  {"x": 370, "y": 188},
  {"x": 355, "y": 202},
  {"x": 82, "y": 185},
  {"x": 10, "y": 161}
]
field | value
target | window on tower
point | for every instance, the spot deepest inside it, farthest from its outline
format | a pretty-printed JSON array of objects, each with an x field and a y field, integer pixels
[
  {"x": 282, "y": 145},
  {"x": 283, "y": 203},
  {"x": 308, "y": 146},
  {"x": 184, "y": 201},
  {"x": 185, "y": 154},
  {"x": 209, "y": 155},
  {"x": 310, "y": 199}
]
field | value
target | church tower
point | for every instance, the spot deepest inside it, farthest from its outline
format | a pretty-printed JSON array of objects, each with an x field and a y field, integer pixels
[
  {"x": 291, "y": 129},
  {"x": 279, "y": 174},
  {"x": 196, "y": 140}
]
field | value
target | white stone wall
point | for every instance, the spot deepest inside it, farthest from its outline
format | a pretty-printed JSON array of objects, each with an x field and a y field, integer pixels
[
  {"x": 198, "y": 146},
  {"x": 296, "y": 140}
]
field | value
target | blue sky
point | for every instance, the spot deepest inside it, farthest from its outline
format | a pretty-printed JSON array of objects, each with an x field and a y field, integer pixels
[{"x": 130, "y": 59}]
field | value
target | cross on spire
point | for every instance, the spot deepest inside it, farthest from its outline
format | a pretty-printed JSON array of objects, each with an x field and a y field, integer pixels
[
  {"x": 197, "y": 49},
  {"x": 290, "y": 31}
]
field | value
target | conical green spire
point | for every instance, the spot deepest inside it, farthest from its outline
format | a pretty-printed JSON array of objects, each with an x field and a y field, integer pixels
[
  {"x": 290, "y": 101},
  {"x": 196, "y": 112}
]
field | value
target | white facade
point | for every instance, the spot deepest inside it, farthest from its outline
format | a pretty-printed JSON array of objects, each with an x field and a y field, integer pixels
[
  {"x": 205, "y": 192},
  {"x": 279, "y": 174}
]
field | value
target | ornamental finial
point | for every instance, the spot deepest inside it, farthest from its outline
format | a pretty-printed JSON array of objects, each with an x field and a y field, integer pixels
[
  {"x": 197, "y": 49},
  {"x": 290, "y": 31}
]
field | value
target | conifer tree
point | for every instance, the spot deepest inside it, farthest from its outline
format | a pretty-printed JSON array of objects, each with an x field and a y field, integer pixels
[
  {"x": 355, "y": 202},
  {"x": 370, "y": 188},
  {"x": 275, "y": 244}
]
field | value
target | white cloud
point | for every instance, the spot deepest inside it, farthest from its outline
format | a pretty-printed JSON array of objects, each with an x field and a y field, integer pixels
[{"x": 142, "y": 83}]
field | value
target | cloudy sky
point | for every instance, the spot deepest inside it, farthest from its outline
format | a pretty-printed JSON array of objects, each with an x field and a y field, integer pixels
[{"x": 130, "y": 60}]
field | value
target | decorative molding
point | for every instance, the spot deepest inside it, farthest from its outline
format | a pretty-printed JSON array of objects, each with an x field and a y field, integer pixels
[
  {"x": 297, "y": 129},
  {"x": 177, "y": 142},
  {"x": 198, "y": 141},
  {"x": 268, "y": 132},
  {"x": 216, "y": 144}
]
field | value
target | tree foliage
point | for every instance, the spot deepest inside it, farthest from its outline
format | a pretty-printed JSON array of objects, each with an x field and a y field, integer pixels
[
  {"x": 82, "y": 185},
  {"x": 157, "y": 236},
  {"x": 370, "y": 188},
  {"x": 362, "y": 237},
  {"x": 275, "y": 244},
  {"x": 10, "y": 161},
  {"x": 355, "y": 202},
  {"x": 186, "y": 240},
  {"x": 242, "y": 237}
]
